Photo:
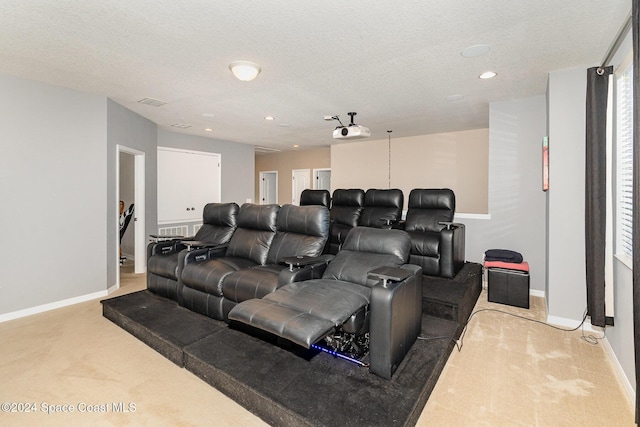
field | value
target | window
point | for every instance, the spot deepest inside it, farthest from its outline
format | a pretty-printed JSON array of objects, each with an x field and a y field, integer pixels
[{"x": 624, "y": 162}]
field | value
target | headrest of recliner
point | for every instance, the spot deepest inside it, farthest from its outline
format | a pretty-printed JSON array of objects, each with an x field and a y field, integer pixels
[
  {"x": 258, "y": 217},
  {"x": 384, "y": 198},
  {"x": 432, "y": 198},
  {"x": 315, "y": 197},
  {"x": 350, "y": 197},
  {"x": 221, "y": 214},
  {"x": 379, "y": 241},
  {"x": 308, "y": 220}
]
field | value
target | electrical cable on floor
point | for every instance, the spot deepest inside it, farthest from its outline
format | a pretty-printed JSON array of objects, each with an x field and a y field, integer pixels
[{"x": 588, "y": 338}]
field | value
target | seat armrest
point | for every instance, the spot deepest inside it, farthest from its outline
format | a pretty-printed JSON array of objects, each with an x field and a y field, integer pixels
[
  {"x": 313, "y": 268},
  {"x": 452, "y": 250},
  {"x": 197, "y": 244},
  {"x": 450, "y": 225},
  {"x": 304, "y": 260},
  {"x": 395, "y": 319},
  {"x": 390, "y": 274}
]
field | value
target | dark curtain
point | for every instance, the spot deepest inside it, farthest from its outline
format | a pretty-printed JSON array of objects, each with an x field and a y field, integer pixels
[
  {"x": 595, "y": 190},
  {"x": 635, "y": 25}
]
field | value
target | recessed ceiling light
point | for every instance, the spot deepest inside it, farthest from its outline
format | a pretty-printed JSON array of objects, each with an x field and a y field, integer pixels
[
  {"x": 295, "y": 146},
  {"x": 456, "y": 97},
  {"x": 208, "y": 130},
  {"x": 475, "y": 50},
  {"x": 488, "y": 75},
  {"x": 269, "y": 118}
]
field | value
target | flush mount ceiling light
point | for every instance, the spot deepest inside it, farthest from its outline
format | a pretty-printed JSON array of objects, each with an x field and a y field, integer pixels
[
  {"x": 269, "y": 118},
  {"x": 475, "y": 50},
  {"x": 488, "y": 75},
  {"x": 244, "y": 70}
]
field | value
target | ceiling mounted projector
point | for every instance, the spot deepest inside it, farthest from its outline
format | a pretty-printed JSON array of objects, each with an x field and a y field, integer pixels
[{"x": 353, "y": 131}]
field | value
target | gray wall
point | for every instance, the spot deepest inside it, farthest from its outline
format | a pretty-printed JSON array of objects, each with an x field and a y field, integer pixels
[
  {"x": 517, "y": 203},
  {"x": 52, "y": 179},
  {"x": 566, "y": 297},
  {"x": 237, "y": 162},
  {"x": 129, "y": 129}
]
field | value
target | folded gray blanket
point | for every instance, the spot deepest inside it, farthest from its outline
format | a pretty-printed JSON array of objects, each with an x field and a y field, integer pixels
[{"x": 503, "y": 255}]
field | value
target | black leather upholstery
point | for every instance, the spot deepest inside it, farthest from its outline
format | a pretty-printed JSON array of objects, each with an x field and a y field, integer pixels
[
  {"x": 438, "y": 248},
  {"x": 163, "y": 258},
  {"x": 203, "y": 272},
  {"x": 381, "y": 208},
  {"x": 302, "y": 231},
  {"x": 306, "y": 312},
  {"x": 315, "y": 197},
  {"x": 346, "y": 206}
]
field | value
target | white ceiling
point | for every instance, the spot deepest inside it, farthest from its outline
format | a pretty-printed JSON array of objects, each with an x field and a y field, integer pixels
[{"x": 394, "y": 63}]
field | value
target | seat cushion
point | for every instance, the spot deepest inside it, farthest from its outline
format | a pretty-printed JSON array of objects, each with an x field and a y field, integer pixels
[
  {"x": 207, "y": 276},
  {"x": 251, "y": 283},
  {"x": 164, "y": 265},
  {"x": 425, "y": 243},
  {"x": 303, "y": 312},
  {"x": 333, "y": 300}
]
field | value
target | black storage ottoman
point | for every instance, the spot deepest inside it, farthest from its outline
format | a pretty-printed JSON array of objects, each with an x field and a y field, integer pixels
[{"x": 509, "y": 287}]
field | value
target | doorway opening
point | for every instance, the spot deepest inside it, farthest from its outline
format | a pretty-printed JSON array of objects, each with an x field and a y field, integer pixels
[
  {"x": 130, "y": 188},
  {"x": 322, "y": 179},
  {"x": 268, "y": 187}
]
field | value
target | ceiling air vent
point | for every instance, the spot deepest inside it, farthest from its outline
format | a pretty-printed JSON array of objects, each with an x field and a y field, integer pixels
[
  {"x": 263, "y": 150},
  {"x": 181, "y": 125},
  {"x": 152, "y": 102}
]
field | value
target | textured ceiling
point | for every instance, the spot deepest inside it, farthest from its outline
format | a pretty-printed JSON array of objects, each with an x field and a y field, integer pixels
[{"x": 394, "y": 63}]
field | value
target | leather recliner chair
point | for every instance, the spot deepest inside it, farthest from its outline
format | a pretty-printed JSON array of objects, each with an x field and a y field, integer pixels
[
  {"x": 346, "y": 206},
  {"x": 163, "y": 258},
  {"x": 437, "y": 243},
  {"x": 382, "y": 208},
  {"x": 301, "y": 234},
  {"x": 315, "y": 197},
  {"x": 200, "y": 279},
  {"x": 367, "y": 288}
]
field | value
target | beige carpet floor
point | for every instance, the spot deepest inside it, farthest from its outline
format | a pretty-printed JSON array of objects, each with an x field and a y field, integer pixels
[{"x": 510, "y": 372}]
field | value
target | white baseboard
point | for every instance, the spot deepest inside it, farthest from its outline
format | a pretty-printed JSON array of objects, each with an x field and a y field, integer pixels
[
  {"x": 54, "y": 305},
  {"x": 622, "y": 376}
]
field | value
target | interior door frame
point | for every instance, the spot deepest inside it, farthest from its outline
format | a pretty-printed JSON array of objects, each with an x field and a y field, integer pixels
[
  {"x": 307, "y": 171},
  {"x": 139, "y": 213},
  {"x": 261, "y": 194},
  {"x": 315, "y": 176}
]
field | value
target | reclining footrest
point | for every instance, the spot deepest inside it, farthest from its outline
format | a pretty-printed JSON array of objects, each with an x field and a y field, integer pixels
[{"x": 301, "y": 328}]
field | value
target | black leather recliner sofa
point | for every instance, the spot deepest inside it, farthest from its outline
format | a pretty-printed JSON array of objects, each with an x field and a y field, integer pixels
[
  {"x": 301, "y": 235},
  {"x": 367, "y": 290},
  {"x": 200, "y": 280},
  {"x": 163, "y": 258}
]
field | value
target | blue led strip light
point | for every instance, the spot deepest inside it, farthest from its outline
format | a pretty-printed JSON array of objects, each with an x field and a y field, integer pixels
[{"x": 340, "y": 355}]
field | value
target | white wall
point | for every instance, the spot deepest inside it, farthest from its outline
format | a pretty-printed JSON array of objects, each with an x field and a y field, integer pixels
[{"x": 53, "y": 176}]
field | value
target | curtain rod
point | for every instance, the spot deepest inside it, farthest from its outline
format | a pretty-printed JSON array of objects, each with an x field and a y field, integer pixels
[{"x": 617, "y": 41}]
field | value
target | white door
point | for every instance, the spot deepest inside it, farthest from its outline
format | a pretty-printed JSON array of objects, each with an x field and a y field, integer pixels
[
  {"x": 322, "y": 179},
  {"x": 186, "y": 182},
  {"x": 300, "y": 180},
  {"x": 268, "y": 188}
]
